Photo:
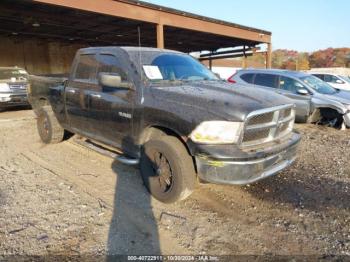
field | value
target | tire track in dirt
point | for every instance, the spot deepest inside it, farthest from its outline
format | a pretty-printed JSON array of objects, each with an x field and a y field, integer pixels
[
  {"x": 276, "y": 216},
  {"x": 101, "y": 188}
]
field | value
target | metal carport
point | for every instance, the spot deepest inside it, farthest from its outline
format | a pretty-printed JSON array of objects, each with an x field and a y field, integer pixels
[{"x": 43, "y": 35}]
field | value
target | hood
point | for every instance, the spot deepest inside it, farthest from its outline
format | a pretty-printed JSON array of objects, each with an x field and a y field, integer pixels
[
  {"x": 17, "y": 82},
  {"x": 342, "y": 97},
  {"x": 221, "y": 99}
]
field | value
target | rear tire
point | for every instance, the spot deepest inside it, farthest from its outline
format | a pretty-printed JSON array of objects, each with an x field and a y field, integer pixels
[
  {"x": 167, "y": 169},
  {"x": 49, "y": 129}
]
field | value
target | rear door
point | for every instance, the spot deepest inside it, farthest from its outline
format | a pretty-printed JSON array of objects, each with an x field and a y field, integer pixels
[
  {"x": 289, "y": 87},
  {"x": 111, "y": 108},
  {"x": 83, "y": 80}
]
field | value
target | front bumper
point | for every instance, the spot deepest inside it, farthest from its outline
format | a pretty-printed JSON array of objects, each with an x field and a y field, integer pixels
[
  {"x": 241, "y": 172},
  {"x": 13, "y": 99}
]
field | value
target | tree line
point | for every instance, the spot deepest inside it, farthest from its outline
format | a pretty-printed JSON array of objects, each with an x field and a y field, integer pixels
[{"x": 294, "y": 60}]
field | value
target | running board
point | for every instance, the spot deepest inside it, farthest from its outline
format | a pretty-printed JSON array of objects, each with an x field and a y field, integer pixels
[{"x": 107, "y": 152}]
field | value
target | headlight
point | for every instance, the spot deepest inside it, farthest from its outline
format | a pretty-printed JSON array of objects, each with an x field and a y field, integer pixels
[
  {"x": 217, "y": 132},
  {"x": 4, "y": 87}
]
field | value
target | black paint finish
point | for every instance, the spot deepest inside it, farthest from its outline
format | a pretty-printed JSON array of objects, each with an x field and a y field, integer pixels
[{"x": 120, "y": 116}]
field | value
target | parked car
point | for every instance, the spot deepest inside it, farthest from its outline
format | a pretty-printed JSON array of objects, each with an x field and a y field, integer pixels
[
  {"x": 315, "y": 100},
  {"x": 13, "y": 87},
  {"x": 337, "y": 81},
  {"x": 168, "y": 113}
]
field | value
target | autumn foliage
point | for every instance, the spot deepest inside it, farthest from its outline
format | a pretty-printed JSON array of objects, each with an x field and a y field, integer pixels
[{"x": 293, "y": 60}]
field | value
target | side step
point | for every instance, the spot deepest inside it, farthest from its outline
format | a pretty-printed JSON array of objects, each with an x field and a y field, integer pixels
[{"x": 107, "y": 152}]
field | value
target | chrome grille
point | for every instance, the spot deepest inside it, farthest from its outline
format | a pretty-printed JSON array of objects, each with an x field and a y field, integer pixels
[
  {"x": 266, "y": 125},
  {"x": 251, "y": 135},
  {"x": 261, "y": 119},
  {"x": 285, "y": 113}
]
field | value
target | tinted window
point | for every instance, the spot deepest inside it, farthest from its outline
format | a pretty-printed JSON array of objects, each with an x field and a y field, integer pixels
[
  {"x": 110, "y": 64},
  {"x": 266, "y": 80},
  {"x": 319, "y": 76},
  {"x": 86, "y": 69},
  {"x": 248, "y": 78},
  {"x": 331, "y": 79},
  {"x": 182, "y": 67},
  {"x": 290, "y": 84}
]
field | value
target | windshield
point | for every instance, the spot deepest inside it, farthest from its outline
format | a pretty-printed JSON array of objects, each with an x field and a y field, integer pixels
[
  {"x": 17, "y": 74},
  {"x": 181, "y": 67},
  {"x": 318, "y": 85},
  {"x": 344, "y": 78},
  {"x": 160, "y": 66}
]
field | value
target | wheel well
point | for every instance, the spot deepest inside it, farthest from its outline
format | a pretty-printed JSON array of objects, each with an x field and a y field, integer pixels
[
  {"x": 326, "y": 114},
  {"x": 156, "y": 131},
  {"x": 39, "y": 103}
]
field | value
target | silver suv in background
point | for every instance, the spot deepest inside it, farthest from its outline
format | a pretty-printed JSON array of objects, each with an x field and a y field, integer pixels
[
  {"x": 315, "y": 100},
  {"x": 13, "y": 87}
]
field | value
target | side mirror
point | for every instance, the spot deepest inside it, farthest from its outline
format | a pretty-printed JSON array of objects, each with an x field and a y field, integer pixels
[
  {"x": 113, "y": 80},
  {"x": 303, "y": 92},
  {"x": 338, "y": 81}
]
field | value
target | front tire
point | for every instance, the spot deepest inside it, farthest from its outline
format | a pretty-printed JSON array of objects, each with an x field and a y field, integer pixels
[
  {"x": 49, "y": 129},
  {"x": 167, "y": 169}
]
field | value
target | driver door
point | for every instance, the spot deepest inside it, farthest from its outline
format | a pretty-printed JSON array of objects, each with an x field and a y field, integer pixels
[
  {"x": 289, "y": 87},
  {"x": 112, "y": 107}
]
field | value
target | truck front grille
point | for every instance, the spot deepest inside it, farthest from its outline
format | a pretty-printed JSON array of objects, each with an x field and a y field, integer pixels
[
  {"x": 266, "y": 125},
  {"x": 18, "y": 86}
]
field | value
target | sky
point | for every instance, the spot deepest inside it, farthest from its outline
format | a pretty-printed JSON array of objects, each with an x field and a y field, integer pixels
[{"x": 304, "y": 26}]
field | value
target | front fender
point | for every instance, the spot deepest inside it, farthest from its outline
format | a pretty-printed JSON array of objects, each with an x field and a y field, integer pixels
[{"x": 325, "y": 103}]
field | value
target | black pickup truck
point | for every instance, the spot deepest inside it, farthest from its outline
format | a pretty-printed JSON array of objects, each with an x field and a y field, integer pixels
[{"x": 168, "y": 113}]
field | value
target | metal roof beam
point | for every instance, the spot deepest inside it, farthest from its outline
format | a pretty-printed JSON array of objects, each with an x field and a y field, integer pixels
[{"x": 164, "y": 17}]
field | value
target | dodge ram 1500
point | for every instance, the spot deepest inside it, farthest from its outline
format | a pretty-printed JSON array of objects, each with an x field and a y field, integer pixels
[{"x": 168, "y": 113}]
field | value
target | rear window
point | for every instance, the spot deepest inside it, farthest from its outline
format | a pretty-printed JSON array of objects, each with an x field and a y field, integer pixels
[
  {"x": 266, "y": 80},
  {"x": 247, "y": 78},
  {"x": 87, "y": 68}
]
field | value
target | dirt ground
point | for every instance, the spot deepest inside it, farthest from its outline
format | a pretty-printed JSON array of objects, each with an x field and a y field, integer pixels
[{"x": 68, "y": 200}]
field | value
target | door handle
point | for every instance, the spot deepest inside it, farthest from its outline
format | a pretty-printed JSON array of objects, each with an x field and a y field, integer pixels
[{"x": 95, "y": 95}]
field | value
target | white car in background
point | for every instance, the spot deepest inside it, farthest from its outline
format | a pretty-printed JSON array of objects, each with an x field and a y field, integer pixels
[{"x": 337, "y": 81}]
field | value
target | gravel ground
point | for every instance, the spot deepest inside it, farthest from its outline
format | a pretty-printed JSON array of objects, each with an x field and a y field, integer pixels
[{"x": 67, "y": 200}]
